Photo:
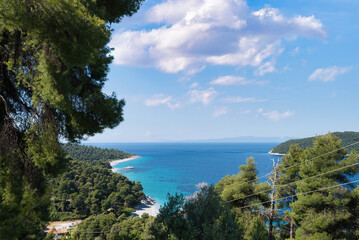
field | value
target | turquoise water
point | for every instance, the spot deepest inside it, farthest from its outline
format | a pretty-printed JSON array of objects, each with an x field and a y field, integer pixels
[{"x": 177, "y": 167}]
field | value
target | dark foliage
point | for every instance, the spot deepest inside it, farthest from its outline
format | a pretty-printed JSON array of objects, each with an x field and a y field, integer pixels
[
  {"x": 346, "y": 137},
  {"x": 94, "y": 155}
]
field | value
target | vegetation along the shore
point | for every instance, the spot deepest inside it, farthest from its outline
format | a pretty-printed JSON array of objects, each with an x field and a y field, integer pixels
[
  {"x": 346, "y": 137},
  {"x": 90, "y": 190},
  {"x": 94, "y": 155},
  {"x": 308, "y": 186},
  {"x": 54, "y": 61}
]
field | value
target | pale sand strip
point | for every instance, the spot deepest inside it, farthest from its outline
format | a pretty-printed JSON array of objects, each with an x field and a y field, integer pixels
[
  {"x": 147, "y": 206},
  {"x": 115, "y": 162},
  {"x": 277, "y": 154}
]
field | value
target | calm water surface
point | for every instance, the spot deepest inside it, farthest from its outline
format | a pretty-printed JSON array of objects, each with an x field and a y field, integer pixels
[{"x": 177, "y": 167}]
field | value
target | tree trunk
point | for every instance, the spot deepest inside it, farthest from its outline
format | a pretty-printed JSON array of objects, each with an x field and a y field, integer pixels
[{"x": 271, "y": 213}]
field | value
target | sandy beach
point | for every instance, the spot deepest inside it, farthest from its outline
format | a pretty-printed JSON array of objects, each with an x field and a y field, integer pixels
[
  {"x": 147, "y": 206},
  {"x": 115, "y": 162},
  {"x": 276, "y": 154}
]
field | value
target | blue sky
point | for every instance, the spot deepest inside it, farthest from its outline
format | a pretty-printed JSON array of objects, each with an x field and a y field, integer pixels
[{"x": 207, "y": 69}]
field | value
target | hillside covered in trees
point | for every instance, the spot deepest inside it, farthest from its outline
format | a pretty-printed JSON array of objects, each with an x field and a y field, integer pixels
[
  {"x": 346, "y": 137},
  {"x": 54, "y": 61},
  {"x": 89, "y": 187},
  {"x": 92, "y": 154},
  {"x": 310, "y": 194}
]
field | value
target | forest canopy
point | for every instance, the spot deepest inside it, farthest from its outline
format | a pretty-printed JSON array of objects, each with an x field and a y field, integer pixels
[
  {"x": 54, "y": 61},
  {"x": 347, "y": 138},
  {"x": 92, "y": 154}
]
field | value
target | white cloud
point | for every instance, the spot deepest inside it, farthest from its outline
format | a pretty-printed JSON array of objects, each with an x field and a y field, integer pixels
[
  {"x": 240, "y": 99},
  {"x": 276, "y": 116},
  {"x": 160, "y": 99},
  {"x": 234, "y": 80},
  {"x": 194, "y": 33},
  {"x": 260, "y": 110},
  {"x": 220, "y": 111},
  {"x": 203, "y": 96},
  {"x": 328, "y": 74},
  {"x": 194, "y": 85},
  {"x": 267, "y": 67}
]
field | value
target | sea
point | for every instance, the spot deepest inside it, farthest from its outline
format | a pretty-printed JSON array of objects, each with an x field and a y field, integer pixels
[{"x": 170, "y": 168}]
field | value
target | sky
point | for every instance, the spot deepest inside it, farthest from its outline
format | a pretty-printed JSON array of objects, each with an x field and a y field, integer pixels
[{"x": 212, "y": 69}]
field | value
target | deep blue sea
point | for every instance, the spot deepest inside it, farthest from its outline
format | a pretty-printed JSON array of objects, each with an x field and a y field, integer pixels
[{"x": 177, "y": 167}]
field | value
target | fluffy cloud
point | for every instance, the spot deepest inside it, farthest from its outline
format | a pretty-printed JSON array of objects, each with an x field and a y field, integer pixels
[
  {"x": 234, "y": 80},
  {"x": 202, "y": 96},
  {"x": 328, "y": 74},
  {"x": 276, "y": 116},
  {"x": 240, "y": 99},
  {"x": 219, "y": 111},
  {"x": 267, "y": 67},
  {"x": 194, "y": 33},
  {"x": 160, "y": 99}
]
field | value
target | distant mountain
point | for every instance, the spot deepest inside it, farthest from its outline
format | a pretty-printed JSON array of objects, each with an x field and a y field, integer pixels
[
  {"x": 347, "y": 139},
  {"x": 248, "y": 139}
]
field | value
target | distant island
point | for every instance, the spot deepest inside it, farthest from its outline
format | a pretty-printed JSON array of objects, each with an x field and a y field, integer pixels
[{"x": 346, "y": 137}]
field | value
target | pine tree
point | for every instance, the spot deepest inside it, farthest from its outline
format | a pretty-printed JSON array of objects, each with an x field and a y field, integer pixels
[
  {"x": 53, "y": 64},
  {"x": 326, "y": 214},
  {"x": 289, "y": 174},
  {"x": 205, "y": 216},
  {"x": 245, "y": 193}
]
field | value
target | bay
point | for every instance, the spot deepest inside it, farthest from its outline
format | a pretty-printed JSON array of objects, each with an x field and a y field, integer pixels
[{"x": 177, "y": 167}]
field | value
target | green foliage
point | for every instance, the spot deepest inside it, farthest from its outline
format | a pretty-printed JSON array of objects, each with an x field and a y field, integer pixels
[
  {"x": 87, "y": 189},
  {"x": 347, "y": 138},
  {"x": 253, "y": 226},
  {"x": 107, "y": 226},
  {"x": 325, "y": 214},
  {"x": 94, "y": 155},
  {"x": 95, "y": 227},
  {"x": 241, "y": 191},
  {"x": 53, "y": 64},
  {"x": 289, "y": 174},
  {"x": 205, "y": 216},
  {"x": 235, "y": 188},
  {"x": 132, "y": 228}
]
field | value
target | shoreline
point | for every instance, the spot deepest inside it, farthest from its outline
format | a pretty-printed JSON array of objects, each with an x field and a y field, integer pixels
[
  {"x": 148, "y": 205},
  {"x": 115, "y": 162},
  {"x": 275, "y": 154}
]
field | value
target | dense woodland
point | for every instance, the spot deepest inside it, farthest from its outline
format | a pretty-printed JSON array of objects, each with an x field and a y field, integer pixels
[
  {"x": 94, "y": 155},
  {"x": 310, "y": 195},
  {"x": 347, "y": 138},
  {"x": 89, "y": 188},
  {"x": 86, "y": 190},
  {"x": 54, "y": 61}
]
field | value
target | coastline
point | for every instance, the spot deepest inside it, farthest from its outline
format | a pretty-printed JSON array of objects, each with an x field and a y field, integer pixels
[
  {"x": 275, "y": 154},
  {"x": 148, "y": 205},
  {"x": 115, "y": 162}
]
